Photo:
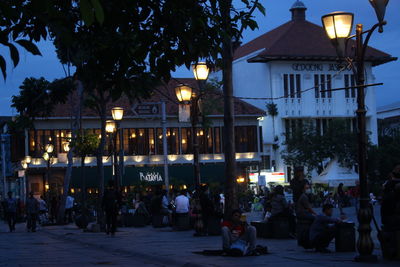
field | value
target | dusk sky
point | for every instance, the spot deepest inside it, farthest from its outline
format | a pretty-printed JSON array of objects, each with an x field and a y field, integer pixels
[{"x": 277, "y": 14}]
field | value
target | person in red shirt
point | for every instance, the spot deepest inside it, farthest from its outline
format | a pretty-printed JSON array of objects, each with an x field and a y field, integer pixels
[{"x": 236, "y": 230}]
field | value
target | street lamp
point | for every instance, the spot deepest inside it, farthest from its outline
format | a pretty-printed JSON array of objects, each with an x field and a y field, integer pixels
[
  {"x": 28, "y": 160},
  {"x": 200, "y": 71},
  {"x": 117, "y": 114},
  {"x": 186, "y": 96},
  {"x": 338, "y": 27},
  {"x": 47, "y": 157}
]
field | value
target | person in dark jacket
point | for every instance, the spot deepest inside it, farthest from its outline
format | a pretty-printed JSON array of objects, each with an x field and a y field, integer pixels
[
  {"x": 207, "y": 208},
  {"x": 11, "y": 211},
  {"x": 390, "y": 209},
  {"x": 32, "y": 210},
  {"x": 280, "y": 208},
  {"x": 297, "y": 183},
  {"x": 111, "y": 203},
  {"x": 322, "y": 230}
]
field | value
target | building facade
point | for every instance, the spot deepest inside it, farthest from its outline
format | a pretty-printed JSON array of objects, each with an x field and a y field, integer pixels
[
  {"x": 289, "y": 70},
  {"x": 142, "y": 143}
]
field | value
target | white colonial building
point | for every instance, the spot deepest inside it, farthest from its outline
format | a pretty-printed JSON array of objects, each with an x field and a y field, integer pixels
[{"x": 290, "y": 66}]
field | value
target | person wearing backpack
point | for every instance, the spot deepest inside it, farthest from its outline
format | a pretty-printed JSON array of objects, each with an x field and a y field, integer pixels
[{"x": 11, "y": 211}]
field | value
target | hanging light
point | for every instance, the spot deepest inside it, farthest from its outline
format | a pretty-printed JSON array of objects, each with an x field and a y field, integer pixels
[
  {"x": 380, "y": 8},
  {"x": 28, "y": 159},
  {"x": 110, "y": 126},
  {"x": 117, "y": 113},
  {"x": 183, "y": 93},
  {"x": 200, "y": 71},
  {"x": 338, "y": 26},
  {"x": 46, "y": 156},
  {"x": 49, "y": 148},
  {"x": 66, "y": 147}
]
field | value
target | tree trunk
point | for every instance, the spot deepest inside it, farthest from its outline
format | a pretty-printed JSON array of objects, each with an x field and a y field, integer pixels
[
  {"x": 75, "y": 128},
  {"x": 231, "y": 201},
  {"x": 99, "y": 157}
]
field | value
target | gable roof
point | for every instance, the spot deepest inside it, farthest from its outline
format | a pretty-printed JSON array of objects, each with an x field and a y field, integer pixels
[
  {"x": 300, "y": 39},
  {"x": 164, "y": 92}
]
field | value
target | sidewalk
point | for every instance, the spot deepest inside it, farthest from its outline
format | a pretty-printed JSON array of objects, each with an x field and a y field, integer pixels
[{"x": 68, "y": 245}]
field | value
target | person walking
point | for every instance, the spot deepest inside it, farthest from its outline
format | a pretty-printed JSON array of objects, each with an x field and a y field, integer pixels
[
  {"x": 110, "y": 203},
  {"x": 11, "y": 211},
  {"x": 32, "y": 209},
  {"x": 53, "y": 209}
]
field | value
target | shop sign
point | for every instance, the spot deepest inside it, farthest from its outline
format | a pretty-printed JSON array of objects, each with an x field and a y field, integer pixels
[
  {"x": 253, "y": 177},
  {"x": 150, "y": 176},
  {"x": 275, "y": 177}
]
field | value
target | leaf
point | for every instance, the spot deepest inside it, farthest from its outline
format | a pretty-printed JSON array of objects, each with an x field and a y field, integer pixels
[
  {"x": 87, "y": 12},
  {"x": 3, "y": 67},
  {"x": 14, "y": 54},
  {"x": 98, "y": 11},
  {"x": 261, "y": 8},
  {"x": 29, "y": 46}
]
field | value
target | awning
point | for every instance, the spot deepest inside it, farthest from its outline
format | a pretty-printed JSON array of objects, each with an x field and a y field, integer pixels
[{"x": 152, "y": 175}]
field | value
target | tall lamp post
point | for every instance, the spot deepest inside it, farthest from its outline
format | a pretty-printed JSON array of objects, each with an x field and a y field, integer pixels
[
  {"x": 49, "y": 148},
  {"x": 338, "y": 26},
  {"x": 27, "y": 160},
  {"x": 185, "y": 95},
  {"x": 110, "y": 129},
  {"x": 117, "y": 114}
]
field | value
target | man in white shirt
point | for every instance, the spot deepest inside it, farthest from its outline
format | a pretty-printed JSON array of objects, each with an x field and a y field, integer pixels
[
  {"x": 69, "y": 204},
  {"x": 182, "y": 203}
]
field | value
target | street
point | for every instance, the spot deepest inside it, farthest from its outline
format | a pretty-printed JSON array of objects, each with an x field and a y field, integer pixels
[{"x": 67, "y": 246}]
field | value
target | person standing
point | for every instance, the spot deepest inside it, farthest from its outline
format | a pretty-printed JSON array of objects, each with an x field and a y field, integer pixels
[
  {"x": 297, "y": 183},
  {"x": 54, "y": 209},
  {"x": 340, "y": 197},
  {"x": 42, "y": 210},
  {"x": 11, "y": 211},
  {"x": 69, "y": 205},
  {"x": 32, "y": 209},
  {"x": 110, "y": 203}
]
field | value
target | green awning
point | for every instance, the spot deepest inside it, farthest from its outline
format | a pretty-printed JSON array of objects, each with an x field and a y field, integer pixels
[{"x": 152, "y": 175}]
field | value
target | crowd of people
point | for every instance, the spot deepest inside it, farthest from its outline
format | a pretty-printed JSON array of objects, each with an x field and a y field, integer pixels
[{"x": 204, "y": 211}]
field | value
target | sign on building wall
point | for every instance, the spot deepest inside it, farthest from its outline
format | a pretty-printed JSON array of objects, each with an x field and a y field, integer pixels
[
  {"x": 318, "y": 67},
  {"x": 150, "y": 176}
]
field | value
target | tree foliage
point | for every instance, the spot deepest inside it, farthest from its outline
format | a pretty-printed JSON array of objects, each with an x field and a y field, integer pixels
[
  {"x": 38, "y": 97},
  {"x": 306, "y": 146},
  {"x": 85, "y": 143}
]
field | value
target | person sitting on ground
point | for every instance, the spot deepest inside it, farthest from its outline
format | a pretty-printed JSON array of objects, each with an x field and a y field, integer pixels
[
  {"x": 236, "y": 232},
  {"x": 322, "y": 230},
  {"x": 303, "y": 206}
]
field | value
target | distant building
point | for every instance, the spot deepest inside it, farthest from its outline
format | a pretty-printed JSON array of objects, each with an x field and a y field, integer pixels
[
  {"x": 389, "y": 119},
  {"x": 290, "y": 67}
]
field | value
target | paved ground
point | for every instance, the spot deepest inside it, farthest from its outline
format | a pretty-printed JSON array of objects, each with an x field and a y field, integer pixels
[{"x": 67, "y": 246}]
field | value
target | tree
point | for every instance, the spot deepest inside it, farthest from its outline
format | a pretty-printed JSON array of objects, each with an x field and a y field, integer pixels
[
  {"x": 84, "y": 144},
  {"x": 306, "y": 146}
]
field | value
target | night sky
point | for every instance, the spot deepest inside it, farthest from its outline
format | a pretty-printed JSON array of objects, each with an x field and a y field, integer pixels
[{"x": 277, "y": 14}]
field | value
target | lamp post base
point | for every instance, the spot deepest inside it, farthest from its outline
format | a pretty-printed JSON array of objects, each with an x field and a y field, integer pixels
[{"x": 366, "y": 258}]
